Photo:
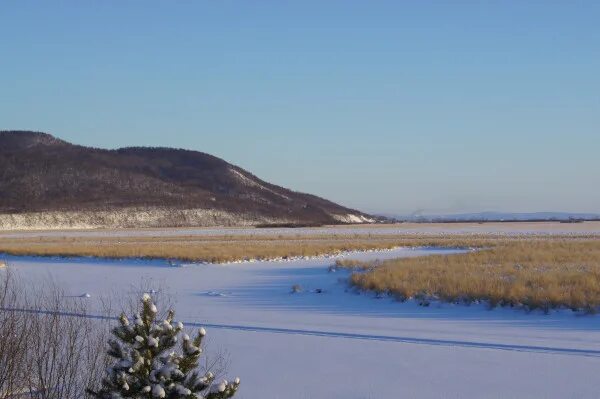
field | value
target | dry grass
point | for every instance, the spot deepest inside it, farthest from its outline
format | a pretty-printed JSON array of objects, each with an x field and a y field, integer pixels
[
  {"x": 536, "y": 274},
  {"x": 206, "y": 249},
  {"x": 218, "y": 249},
  {"x": 350, "y": 264},
  {"x": 355, "y": 264}
]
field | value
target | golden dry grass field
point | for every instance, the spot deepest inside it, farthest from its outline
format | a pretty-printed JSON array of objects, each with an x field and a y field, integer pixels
[
  {"x": 536, "y": 274},
  {"x": 221, "y": 248}
]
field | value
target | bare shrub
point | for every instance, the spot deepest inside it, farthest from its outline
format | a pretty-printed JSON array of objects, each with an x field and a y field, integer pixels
[
  {"x": 47, "y": 350},
  {"x": 13, "y": 340},
  {"x": 65, "y": 351}
]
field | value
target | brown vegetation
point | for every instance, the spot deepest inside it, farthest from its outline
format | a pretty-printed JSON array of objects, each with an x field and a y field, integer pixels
[
  {"x": 217, "y": 249},
  {"x": 353, "y": 264},
  {"x": 550, "y": 273}
]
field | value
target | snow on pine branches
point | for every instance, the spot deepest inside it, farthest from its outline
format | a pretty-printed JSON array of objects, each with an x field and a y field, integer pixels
[{"x": 146, "y": 366}]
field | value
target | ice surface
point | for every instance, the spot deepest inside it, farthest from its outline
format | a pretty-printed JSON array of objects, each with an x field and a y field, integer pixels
[{"x": 340, "y": 344}]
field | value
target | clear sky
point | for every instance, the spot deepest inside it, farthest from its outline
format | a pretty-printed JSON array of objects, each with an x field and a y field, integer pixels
[{"x": 387, "y": 106}]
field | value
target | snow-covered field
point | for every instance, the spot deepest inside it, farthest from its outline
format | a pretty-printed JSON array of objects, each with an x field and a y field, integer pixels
[
  {"x": 340, "y": 344},
  {"x": 507, "y": 228}
]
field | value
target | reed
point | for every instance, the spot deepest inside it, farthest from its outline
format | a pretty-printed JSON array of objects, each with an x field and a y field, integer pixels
[{"x": 536, "y": 274}]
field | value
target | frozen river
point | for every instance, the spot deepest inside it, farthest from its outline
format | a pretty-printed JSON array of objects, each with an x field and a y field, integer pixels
[{"x": 340, "y": 344}]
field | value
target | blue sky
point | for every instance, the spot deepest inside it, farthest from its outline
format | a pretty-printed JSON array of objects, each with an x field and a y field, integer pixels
[{"x": 387, "y": 106}]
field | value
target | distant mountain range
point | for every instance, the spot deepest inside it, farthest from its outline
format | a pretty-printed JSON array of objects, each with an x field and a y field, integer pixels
[
  {"x": 46, "y": 182},
  {"x": 502, "y": 216}
]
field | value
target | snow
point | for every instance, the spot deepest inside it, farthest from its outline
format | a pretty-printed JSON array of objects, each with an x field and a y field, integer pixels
[
  {"x": 469, "y": 228},
  {"x": 341, "y": 344},
  {"x": 158, "y": 391},
  {"x": 252, "y": 183},
  {"x": 352, "y": 218},
  {"x": 126, "y": 218}
]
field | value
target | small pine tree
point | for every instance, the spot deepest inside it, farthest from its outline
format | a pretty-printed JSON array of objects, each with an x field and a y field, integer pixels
[{"x": 147, "y": 367}]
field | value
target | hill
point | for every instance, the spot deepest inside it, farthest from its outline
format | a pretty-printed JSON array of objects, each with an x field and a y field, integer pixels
[{"x": 46, "y": 182}]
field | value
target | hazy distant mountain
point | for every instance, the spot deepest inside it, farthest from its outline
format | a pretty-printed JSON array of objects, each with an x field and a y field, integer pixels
[
  {"x": 503, "y": 216},
  {"x": 44, "y": 175}
]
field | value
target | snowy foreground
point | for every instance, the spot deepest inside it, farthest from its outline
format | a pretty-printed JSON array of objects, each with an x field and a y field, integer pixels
[{"x": 339, "y": 344}]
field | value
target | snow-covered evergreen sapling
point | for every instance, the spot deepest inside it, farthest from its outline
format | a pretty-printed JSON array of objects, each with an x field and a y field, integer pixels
[{"x": 146, "y": 366}]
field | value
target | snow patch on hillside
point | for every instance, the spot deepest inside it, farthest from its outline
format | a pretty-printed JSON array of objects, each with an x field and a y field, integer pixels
[
  {"x": 252, "y": 183},
  {"x": 352, "y": 218},
  {"x": 129, "y": 218}
]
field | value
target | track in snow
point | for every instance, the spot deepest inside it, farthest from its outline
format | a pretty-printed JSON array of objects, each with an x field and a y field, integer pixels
[{"x": 383, "y": 338}]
